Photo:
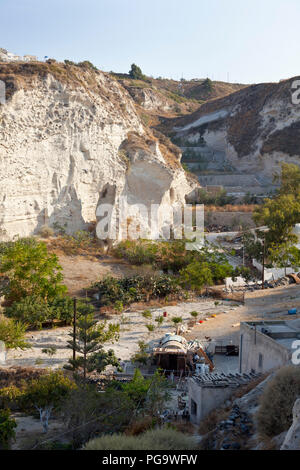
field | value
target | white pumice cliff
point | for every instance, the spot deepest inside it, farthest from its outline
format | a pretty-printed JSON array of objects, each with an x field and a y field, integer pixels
[{"x": 71, "y": 138}]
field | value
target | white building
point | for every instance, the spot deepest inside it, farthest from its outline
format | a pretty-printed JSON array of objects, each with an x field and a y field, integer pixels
[
  {"x": 6, "y": 56},
  {"x": 267, "y": 345}
]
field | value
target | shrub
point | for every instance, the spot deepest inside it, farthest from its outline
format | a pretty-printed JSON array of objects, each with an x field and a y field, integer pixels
[
  {"x": 218, "y": 199},
  {"x": 9, "y": 396},
  {"x": 148, "y": 394},
  {"x": 46, "y": 231},
  {"x": 141, "y": 356},
  {"x": 46, "y": 394},
  {"x": 12, "y": 333},
  {"x": 158, "y": 439},
  {"x": 199, "y": 274},
  {"x": 211, "y": 420},
  {"x": 176, "y": 320},
  {"x": 150, "y": 327},
  {"x": 147, "y": 314},
  {"x": 7, "y": 428},
  {"x": 159, "y": 319},
  {"x": 86, "y": 64},
  {"x": 35, "y": 311},
  {"x": 118, "y": 306},
  {"x": 183, "y": 426},
  {"x": 112, "y": 411},
  {"x": 275, "y": 413},
  {"x": 136, "y": 73},
  {"x": 140, "y": 425},
  {"x": 136, "y": 289},
  {"x": 17, "y": 375},
  {"x": 31, "y": 270},
  {"x": 69, "y": 62},
  {"x": 137, "y": 252}
]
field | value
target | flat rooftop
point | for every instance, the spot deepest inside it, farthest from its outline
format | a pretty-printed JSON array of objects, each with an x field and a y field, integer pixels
[{"x": 283, "y": 332}]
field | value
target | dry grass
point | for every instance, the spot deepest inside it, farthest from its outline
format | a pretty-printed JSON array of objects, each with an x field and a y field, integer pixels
[
  {"x": 231, "y": 208},
  {"x": 184, "y": 427},
  {"x": 243, "y": 390},
  {"x": 158, "y": 439},
  {"x": 275, "y": 413},
  {"x": 210, "y": 422},
  {"x": 15, "y": 375},
  {"x": 139, "y": 426},
  {"x": 68, "y": 246}
]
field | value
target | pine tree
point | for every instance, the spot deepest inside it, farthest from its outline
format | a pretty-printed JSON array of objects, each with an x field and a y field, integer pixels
[
  {"x": 136, "y": 73},
  {"x": 89, "y": 339}
]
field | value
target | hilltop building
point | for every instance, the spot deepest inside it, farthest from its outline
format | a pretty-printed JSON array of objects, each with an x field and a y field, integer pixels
[{"x": 6, "y": 56}]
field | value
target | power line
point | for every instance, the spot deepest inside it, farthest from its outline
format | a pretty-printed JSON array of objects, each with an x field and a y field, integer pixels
[{"x": 75, "y": 429}]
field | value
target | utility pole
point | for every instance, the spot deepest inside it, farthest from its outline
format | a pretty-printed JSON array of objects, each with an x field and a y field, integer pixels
[
  {"x": 74, "y": 327},
  {"x": 263, "y": 264}
]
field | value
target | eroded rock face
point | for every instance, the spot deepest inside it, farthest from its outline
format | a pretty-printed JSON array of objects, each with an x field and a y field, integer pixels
[
  {"x": 62, "y": 143},
  {"x": 292, "y": 439},
  {"x": 150, "y": 99},
  {"x": 251, "y": 131}
]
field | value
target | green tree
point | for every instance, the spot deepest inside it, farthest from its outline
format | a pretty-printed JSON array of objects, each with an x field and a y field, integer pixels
[
  {"x": 289, "y": 178},
  {"x": 176, "y": 321},
  {"x": 89, "y": 339},
  {"x": 46, "y": 394},
  {"x": 150, "y": 394},
  {"x": 137, "y": 388},
  {"x": 157, "y": 395},
  {"x": 35, "y": 310},
  {"x": 208, "y": 84},
  {"x": 12, "y": 333},
  {"x": 88, "y": 413},
  {"x": 136, "y": 73},
  {"x": 196, "y": 275},
  {"x": 141, "y": 356},
  {"x": 281, "y": 213},
  {"x": 31, "y": 270},
  {"x": 32, "y": 311},
  {"x": 7, "y": 428},
  {"x": 194, "y": 314},
  {"x": 284, "y": 255}
]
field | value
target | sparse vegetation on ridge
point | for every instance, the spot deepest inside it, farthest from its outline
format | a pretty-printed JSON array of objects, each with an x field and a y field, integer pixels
[
  {"x": 275, "y": 413},
  {"x": 158, "y": 439}
]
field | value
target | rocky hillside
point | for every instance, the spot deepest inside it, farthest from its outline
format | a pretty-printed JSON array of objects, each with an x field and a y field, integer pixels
[
  {"x": 247, "y": 132},
  {"x": 71, "y": 138},
  {"x": 170, "y": 98}
]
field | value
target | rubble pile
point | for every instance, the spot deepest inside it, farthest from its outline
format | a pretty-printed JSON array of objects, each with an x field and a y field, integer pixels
[{"x": 281, "y": 282}]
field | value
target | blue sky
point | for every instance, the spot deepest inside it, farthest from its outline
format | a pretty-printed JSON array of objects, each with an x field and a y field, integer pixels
[{"x": 250, "y": 41}]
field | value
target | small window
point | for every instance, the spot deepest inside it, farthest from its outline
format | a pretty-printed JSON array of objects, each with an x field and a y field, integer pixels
[
  {"x": 193, "y": 407},
  {"x": 260, "y": 361}
]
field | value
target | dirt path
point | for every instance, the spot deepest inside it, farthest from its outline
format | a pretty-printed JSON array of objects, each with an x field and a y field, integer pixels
[{"x": 267, "y": 304}]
